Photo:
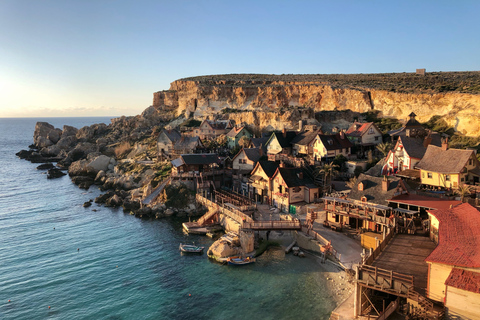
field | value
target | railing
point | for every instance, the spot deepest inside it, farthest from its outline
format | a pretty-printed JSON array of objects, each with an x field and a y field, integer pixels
[
  {"x": 233, "y": 213},
  {"x": 273, "y": 225},
  {"x": 368, "y": 259},
  {"x": 315, "y": 235},
  {"x": 375, "y": 273}
]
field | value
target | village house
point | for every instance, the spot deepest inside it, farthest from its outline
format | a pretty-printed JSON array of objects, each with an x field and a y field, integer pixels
[
  {"x": 412, "y": 128},
  {"x": 279, "y": 145},
  {"x": 187, "y": 145},
  {"x": 331, "y": 145},
  {"x": 377, "y": 189},
  {"x": 234, "y": 135},
  {"x": 195, "y": 163},
  {"x": 210, "y": 129},
  {"x": 242, "y": 164},
  {"x": 302, "y": 143},
  {"x": 408, "y": 151},
  {"x": 364, "y": 134},
  {"x": 260, "y": 183},
  {"x": 165, "y": 142},
  {"x": 259, "y": 143},
  {"x": 454, "y": 265},
  {"x": 291, "y": 189},
  {"x": 448, "y": 168}
]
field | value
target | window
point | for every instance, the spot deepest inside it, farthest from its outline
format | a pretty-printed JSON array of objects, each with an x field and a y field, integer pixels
[
  {"x": 463, "y": 179},
  {"x": 423, "y": 174},
  {"x": 280, "y": 189},
  {"x": 370, "y": 131},
  {"x": 447, "y": 177},
  {"x": 376, "y": 138},
  {"x": 470, "y": 162},
  {"x": 429, "y": 175}
]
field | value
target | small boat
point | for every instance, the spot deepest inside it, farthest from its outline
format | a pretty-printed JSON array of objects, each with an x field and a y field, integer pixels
[
  {"x": 239, "y": 261},
  {"x": 189, "y": 248}
]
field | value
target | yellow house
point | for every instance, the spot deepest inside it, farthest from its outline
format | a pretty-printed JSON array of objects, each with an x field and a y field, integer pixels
[
  {"x": 292, "y": 188},
  {"x": 448, "y": 168},
  {"x": 259, "y": 183},
  {"x": 454, "y": 265},
  {"x": 331, "y": 145}
]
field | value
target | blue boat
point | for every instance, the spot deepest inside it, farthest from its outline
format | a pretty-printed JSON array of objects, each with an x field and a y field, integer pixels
[{"x": 239, "y": 261}]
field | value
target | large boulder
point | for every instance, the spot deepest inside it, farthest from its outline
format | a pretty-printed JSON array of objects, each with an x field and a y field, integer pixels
[
  {"x": 54, "y": 135},
  {"x": 45, "y": 135},
  {"x": 66, "y": 142},
  {"x": 69, "y": 131},
  {"x": 100, "y": 163}
]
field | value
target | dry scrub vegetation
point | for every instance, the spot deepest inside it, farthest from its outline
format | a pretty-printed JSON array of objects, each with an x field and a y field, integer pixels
[{"x": 432, "y": 82}]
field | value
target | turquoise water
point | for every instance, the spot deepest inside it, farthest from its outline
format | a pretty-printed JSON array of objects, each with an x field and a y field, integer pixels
[{"x": 99, "y": 263}]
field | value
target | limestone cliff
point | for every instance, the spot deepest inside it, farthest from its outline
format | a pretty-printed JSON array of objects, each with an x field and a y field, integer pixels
[{"x": 269, "y": 100}]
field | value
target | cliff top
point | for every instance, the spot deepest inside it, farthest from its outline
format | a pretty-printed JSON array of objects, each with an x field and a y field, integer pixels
[{"x": 432, "y": 82}]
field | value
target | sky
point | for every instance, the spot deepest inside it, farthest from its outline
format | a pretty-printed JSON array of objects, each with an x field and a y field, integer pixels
[{"x": 106, "y": 58}]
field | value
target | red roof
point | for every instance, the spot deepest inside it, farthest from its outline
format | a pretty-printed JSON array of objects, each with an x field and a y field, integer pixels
[
  {"x": 358, "y": 128},
  {"x": 458, "y": 237},
  {"x": 464, "y": 279},
  {"x": 424, "y": 201}
]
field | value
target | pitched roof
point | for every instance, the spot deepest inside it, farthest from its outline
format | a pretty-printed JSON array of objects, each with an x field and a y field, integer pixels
[
  {"x": 304, "y": 138},
  {"x": 291, "y": 176},
  {"x": 358, "y": 129},
  {"x": 452, "y": 160},
  {"x": 198, "y": 158},
  {"x": 235, "y": 131},
  {"x": 187, "y": 143},
  {"x": 269, "y": 167},
  {"x": 458, "y": 237},
  {"x": 284, "y": 141},
  {"x": 334, "y": 141},
  {"x": 372, "y": 189},
  {"x": 413, "y": 146},
  {"x": 252, "y": 154},
  {"x": 219, "y": 124},
  {"x": 464, "y": 279},
  {"x": 172, "y": 135}
]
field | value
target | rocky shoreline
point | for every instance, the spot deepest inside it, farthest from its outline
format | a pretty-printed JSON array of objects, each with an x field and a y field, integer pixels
[{"x": 116, "y": 158}]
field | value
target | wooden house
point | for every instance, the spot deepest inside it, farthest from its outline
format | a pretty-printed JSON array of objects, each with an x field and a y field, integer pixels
[
  {"x": 195, "y": 163},
  {"x": 187, "y": 145},
  {"x": 411, "y": 127},
  {"x": 302, "y": 143},
  {"x": 454, "y": 265},
  {"x": 364, "y": 134},
  {"x": 260, "y": 183},
  {"x": 210, "y": 129},
  {"x": 448, "y": 168},
  {"x": 279, "y": 144},
  {"x": 377, "y": 189},
  {"x": 242, "y": 164},
  {"x": 165, "y": 142},
  {"x": 234, "y": 135},
  {"x": 331, "y": 145},
  {"x": 408, "y": 151},
  {"x": 292, "y": 187}
]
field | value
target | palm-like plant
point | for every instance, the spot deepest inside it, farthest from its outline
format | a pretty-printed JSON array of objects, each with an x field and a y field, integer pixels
[
  {"x": 463, "y": 191},
  {"x": 328, "y": 171},
  {"x": 384, "y": 148}
]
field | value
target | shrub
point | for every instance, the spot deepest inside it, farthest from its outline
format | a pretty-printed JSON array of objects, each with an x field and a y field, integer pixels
[{"x": 122, "y": 149}]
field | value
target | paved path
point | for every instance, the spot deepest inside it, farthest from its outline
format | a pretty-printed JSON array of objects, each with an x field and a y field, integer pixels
[{"x": 152, "y": 196}]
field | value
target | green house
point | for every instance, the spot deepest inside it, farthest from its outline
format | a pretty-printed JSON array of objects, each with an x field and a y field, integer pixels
[{"x": 234, "y": 135}]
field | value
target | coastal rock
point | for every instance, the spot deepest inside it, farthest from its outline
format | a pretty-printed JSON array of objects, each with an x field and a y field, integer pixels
[
  {"x": 46, "y": 166},
  {"x": 51, "y": 151},
  {"x": 100, "y": 163},
  {"x": 66, "y": 142},
  {"x": 87, "y": 204},
  {"x": 103, "y": 197},
  {"x": 115, "y": 201},
  {"x": 40, "y": 135},
  {"x": 169, "y": 212},
  {"x": 69, "y": 131},
  {"x": 100, "y": 177},
  {"x": 55, "y": 173},
  {"x": 54, "y": 135},
  {"x": 83, "y": 182}
]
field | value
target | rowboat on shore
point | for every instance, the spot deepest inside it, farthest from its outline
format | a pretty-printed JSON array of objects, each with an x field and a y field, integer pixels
[
  {"x": 239, "y": 261},
  {"x": 189, "y": 248}
]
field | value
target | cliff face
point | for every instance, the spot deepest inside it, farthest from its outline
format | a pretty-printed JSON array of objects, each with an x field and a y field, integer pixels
[{"x": 263, "y": 102}]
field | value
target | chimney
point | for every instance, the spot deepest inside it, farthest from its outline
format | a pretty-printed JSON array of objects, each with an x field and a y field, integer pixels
[
  {"x": 342, "y": 134},
  {"x": 284, "y": 132},
  {"x": 260, "y": 151},
  {"x": 281, "y": 165},
  {"x": 445, "y": 144},
  {"x": 360, "y": 186},
  {"x": 385, "y": 183},
  {"x": 300, "y": 125},
  {"x": 427, "y": 140},
  {"x": 300, "y": 175}
]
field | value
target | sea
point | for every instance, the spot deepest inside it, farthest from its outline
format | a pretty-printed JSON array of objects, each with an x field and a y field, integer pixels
[{"x": 59, "y": 260}]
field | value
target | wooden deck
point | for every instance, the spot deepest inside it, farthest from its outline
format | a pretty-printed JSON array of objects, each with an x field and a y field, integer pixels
[{"x": 406, "y": 254}]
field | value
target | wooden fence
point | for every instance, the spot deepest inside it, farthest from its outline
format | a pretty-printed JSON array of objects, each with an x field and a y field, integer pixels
[{"x": 368, "y": 259}]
